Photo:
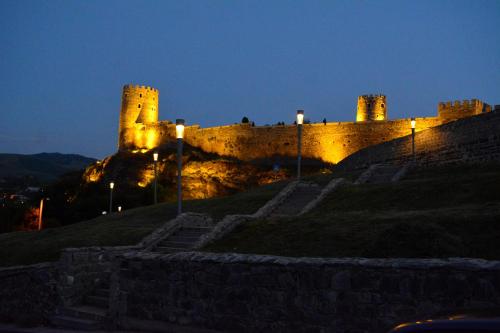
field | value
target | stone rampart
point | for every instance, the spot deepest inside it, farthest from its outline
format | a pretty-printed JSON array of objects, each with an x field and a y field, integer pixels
[
  {"x": 330, "y": 143},
  {"x": 247, "y": 293},
  {"x": 462, "y": 109},
  {"x": 474, "y": 139},
  {"x": 28, "y": 294}
]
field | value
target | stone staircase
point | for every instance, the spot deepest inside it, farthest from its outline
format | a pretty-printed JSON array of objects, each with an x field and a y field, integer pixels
[
  {"x": 304, "y": 193},
  {"x": 90, "y": 315},
  {"x": 382, "y": 173},
  {"x": 184, "y": 239}
]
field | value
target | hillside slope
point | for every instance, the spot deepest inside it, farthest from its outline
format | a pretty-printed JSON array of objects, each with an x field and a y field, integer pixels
[
  {"x": 433, "y": 212},
  {"x": 44, "y": 166}
]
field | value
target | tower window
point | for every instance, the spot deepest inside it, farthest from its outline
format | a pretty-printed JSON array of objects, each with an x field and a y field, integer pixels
[
  {"x": 139, "y": 106},
  {"x": 382, "y": 105},
  {"x": 140, "y": 95}
]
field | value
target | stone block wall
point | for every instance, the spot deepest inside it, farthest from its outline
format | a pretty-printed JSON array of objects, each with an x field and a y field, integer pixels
[
  {"x": 474, "y": 139},
  {"x": 462, "y": 109},
  {"x": 329, "y": 143},
  {"x": 245, "y": 293},
  {"x": 83, "y": 269},
  {"x": 28, "y": 294}
]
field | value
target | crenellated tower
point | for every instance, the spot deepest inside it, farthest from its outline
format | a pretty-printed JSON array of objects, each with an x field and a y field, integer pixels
[
  {"x": 139, "y": 107},
  {"x": 371, "y": 107},
  {"x": 462, "y": 109}
]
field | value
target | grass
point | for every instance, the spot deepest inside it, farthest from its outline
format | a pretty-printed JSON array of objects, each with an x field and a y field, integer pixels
[
  {"x": 126, "y": 228},
  {"x": 439, "y": 212}
]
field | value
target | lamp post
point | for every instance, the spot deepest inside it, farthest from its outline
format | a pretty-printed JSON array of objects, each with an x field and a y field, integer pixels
[
  {"x": 179, "y": 131},
  {"x": 413, "y": 123},
  {"x": 40, "y": 212},
  {"x": 111, "y": 186},
  {"x": 155, "y": 158},
  {"x": 300, "y": 121}
]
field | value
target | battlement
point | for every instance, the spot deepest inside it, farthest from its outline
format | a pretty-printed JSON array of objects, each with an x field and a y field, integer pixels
[
  {"x": 462, "y": 109},
  {"x": 134, "y": 88},
  {"x": 371, "y": 108}
]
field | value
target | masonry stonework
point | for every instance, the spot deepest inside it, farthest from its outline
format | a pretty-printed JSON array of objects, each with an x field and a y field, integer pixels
[
  {"x": 250, "y": 293},
  {"x": 330, "y": 142}
]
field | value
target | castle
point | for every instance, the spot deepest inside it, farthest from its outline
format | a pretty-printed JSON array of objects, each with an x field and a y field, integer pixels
[{"x": 140, "y": 129}]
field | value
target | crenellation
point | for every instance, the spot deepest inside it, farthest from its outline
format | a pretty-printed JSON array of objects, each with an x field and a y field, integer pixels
[{"x": 329, "y": 142}]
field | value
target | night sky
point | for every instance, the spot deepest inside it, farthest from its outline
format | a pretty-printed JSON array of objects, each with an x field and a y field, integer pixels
[{"x": 63, "y": 63}]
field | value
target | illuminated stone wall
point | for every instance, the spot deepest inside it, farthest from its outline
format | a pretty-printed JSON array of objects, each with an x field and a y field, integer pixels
[
  {"x": 330, "y": 143},
  {"x": 371, "y": 108},
  {"x": 139, "y": 108},
  {"x": 333, "y": 142}
]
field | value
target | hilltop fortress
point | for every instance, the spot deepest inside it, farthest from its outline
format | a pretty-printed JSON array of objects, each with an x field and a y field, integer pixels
[{"x": 140, "y": 129}]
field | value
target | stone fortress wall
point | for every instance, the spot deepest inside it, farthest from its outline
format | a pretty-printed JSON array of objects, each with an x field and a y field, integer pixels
[{"x": 330, "y": 142}]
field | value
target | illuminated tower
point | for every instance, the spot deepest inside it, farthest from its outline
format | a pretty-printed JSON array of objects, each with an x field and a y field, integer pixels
[
  {"x": 371, "y": 107},
  {"x": 139, "y": 107}
]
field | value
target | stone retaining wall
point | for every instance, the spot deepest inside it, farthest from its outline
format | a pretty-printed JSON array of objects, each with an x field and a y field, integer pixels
[
  {"x": 246, "y": 293},
  {"x": 82, "y": 269},
  {"x": 28, "y": 294}
]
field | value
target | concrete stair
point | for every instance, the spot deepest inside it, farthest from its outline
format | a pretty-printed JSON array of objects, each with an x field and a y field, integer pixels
[
  {"x": 88, "y": 316},
  {"x": 303, "y": 194},
  {"x": 183, "y": 239},
  {"x": 383, "y": 174}
]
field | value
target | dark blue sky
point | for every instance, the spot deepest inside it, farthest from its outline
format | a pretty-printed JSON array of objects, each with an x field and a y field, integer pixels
[{"x": 63, "y": 63}]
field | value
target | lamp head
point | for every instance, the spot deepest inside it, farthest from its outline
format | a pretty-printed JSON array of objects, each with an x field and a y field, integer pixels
[
  {"x": 179, "y": 128},
  {"x": 300, "y": 117},
  {"x": 111, "y": 185},
  {"x": 413, "y": 122},
  {"x": 155, "y": 156}
]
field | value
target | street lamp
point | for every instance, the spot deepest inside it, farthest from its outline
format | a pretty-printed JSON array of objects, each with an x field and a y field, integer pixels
[
  {"x": 300, "y": 121},
  {"x": 111, "y": 186},
  {"x": 413, "y": 123},
  {"x": 155, "y": 158},
  {"x": 179, "y": 131}
]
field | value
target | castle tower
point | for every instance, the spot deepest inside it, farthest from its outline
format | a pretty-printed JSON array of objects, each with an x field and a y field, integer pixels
[
  {"x": 371, "y": 107},
  {"x": 139, "y": 106}
]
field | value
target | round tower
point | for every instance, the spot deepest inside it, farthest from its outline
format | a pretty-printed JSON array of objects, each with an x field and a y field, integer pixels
[
  {"x": 371, "y": 107},
  {"x": 139, "y": 106}
]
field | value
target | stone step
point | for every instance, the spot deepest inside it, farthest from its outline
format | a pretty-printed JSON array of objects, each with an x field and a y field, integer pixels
[
  {"x": 103, "y": 292},
  {"x": 193, "y": 230},
  {"x": 167, "y": 249},
  {"x": 297, "y": 200},
  {"x": 84, "y": 312},
  {"x": 183, "y": 239},
  {"x": 73, "y": 323},
  {"x": 98, "y": 301},
  {"x": 181, "y": 245}
]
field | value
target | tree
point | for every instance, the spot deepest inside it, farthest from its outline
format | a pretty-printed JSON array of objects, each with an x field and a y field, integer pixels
[{"x": 245, "y": 120}]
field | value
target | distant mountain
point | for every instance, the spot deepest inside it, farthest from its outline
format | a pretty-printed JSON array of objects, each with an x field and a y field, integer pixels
[{"x": 44, "y": 166}]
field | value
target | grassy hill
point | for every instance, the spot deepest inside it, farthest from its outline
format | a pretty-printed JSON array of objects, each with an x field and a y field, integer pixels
[
  {"x": 125, "y": 228},
  {"x": 438, "y": 212},
  {"x": 44, "y": 166}
]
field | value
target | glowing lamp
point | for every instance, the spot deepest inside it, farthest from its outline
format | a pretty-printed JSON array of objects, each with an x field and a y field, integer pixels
[
  {"x": 300, "y": 117},
  {"x": 119, "y": 208},
  {"x": 413, "y": 122},
  {"x": 179, "y": 128},
  {"x": 155, "y": 157},
  {"x": 111, "y": 185}
]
